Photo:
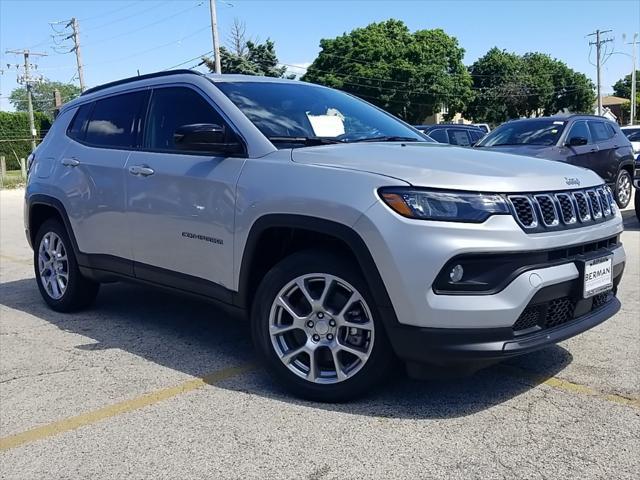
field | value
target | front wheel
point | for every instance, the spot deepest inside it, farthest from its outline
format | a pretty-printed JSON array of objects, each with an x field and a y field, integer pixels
[
  {"x": 318, "y": 330},
  {"x": 623, "y": 188}
]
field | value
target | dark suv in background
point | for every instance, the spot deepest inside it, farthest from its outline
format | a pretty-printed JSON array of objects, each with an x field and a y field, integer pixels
[
  {"x": 584, "y": 140},
  {"x": 454, "y": 134}
]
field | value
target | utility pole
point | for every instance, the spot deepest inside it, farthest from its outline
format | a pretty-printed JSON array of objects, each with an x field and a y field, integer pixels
[
  {"x": 214, "y": 35},
  {"x": 73, "y": 23},
  {"x": 633, "y": 79},
  {"x": 28, "y": 82},
  {"x": 598, "y": 43}
]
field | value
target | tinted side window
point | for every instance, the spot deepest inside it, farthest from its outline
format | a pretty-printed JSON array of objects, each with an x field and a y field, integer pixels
[
  {"x": 78, "y": 125},
  {"x": 599, "y": 131},
  {"x": 458, "y": 137},
  {"x": 475, "y": 136},
  {"x": 114, "y": 121},
  {"x": 612, "y": 130},
  {"x": 439, "y": 135},
  {"x": 173, "y": 107},
  {"x": 579, "y": 129}
]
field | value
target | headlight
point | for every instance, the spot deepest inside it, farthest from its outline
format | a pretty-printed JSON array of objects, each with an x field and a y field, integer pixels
[{"x": 450, "y": 206}]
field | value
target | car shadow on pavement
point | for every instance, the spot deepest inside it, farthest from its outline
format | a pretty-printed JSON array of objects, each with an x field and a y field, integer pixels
[{"x": 197, "y": 338}]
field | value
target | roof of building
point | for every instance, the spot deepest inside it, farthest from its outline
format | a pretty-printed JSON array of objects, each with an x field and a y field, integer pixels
[{"x": 613, "y": 100}]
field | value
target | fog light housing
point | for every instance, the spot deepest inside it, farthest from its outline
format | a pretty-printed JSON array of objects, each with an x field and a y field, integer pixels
[{"x": 456, "y": 273}]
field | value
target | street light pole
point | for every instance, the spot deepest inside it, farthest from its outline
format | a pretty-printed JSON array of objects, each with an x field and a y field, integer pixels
[
  {"x": 632, "y": 116},
  {"x": 214, "y": 36}
]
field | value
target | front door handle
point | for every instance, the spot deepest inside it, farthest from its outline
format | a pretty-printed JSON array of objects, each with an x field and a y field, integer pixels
[
  {"x": 141, "y": 170},
  {"x": 70, "y": 162}
]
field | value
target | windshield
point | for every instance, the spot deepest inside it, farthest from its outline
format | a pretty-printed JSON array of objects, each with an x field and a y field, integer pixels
[
  {"x": 528, "y": 132},
  {"x": 302, "y": 114}
]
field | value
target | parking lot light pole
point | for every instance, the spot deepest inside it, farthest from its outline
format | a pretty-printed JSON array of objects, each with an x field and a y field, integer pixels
[{"x": 632, "y": 115}]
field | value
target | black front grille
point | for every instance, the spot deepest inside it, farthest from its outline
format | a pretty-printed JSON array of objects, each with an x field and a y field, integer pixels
[
  {"x": 556, "y": 312},
  {"x": 583, "y": 206},
  {"x": 600, "y": 299},
  {"x": 566, "y": 208},
  {"x": 560, "y": 311},
  {"x": 548, "y": 210},
  {"x": 529, "y": 318},
  {"x": 594, "y": 202},
  {"x": 562, "y": 210},
  {"x": 524, "y": 211}
]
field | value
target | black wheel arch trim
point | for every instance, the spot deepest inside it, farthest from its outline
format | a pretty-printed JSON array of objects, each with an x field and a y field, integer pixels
[
  {"x": 42, "y": 199},
  {"x": 328, "y": 227},
  {"x": 121, "y": 266}
]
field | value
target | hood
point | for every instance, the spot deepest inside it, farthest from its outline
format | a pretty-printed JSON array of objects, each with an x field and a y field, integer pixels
[
  {"x": 530, "y": 150},
  {"x": 444, "y": 166}
]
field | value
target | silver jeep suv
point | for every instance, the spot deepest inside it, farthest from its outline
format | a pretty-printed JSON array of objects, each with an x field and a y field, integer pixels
[{"x": 346, "y": 236}]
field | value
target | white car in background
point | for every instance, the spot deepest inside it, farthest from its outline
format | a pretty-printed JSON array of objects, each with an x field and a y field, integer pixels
[{"x": 632, "y": 132}]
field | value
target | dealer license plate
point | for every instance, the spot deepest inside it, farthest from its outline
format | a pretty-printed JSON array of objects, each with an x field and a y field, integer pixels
[{"x": 598, "y": 275}]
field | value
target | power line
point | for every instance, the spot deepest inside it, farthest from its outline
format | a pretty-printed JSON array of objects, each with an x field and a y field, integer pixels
[
  {"x": 129, "y": 16},
  {"x": 188, "y": 61},
  {"x": 129, "y": 32},
  {"x": 110, "y": 12},
  {"x": 348, "y": 76}
]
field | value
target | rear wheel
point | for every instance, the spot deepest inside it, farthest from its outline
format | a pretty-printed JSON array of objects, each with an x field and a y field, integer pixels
[
  {"x": 318, "y": 329},
  {"x": 59, "y": 279},
  {"x": 624, "y": 188}
]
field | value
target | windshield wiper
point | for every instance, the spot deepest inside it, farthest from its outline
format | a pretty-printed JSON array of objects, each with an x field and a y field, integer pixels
[
  {"x": 307, "y": 141},
  {"x": 385, "y": 138}
]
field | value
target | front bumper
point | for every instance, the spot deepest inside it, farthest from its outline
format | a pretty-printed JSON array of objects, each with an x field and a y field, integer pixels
[{"x": 445, "y": 346}]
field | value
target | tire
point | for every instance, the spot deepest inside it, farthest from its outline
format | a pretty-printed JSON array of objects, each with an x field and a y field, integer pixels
[
  {"x": 355, "y": 337},
  {"x": 623, "y": 188},
  {"x": 72, "y": 294},
  {"x": 636, "y": 200}
]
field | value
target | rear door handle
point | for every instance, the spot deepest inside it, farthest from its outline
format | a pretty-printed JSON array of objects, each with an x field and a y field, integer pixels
[
  {"x": 142, "y": 170},
  {"x": 70, "y": 162}
]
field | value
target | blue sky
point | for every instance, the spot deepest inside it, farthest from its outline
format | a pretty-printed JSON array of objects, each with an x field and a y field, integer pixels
[{"x": 121, "y": 37}]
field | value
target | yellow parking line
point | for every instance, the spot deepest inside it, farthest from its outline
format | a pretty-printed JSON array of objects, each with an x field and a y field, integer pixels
[
  {"x": 568, "y": 386},
  {"x": 89, "y": 418}
]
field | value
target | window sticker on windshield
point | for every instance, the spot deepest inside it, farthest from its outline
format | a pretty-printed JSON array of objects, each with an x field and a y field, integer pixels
[{"x": 326, "y": 125}]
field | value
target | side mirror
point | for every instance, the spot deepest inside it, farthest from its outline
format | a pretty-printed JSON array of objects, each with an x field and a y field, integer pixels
[
  {"x": 204, "y": 137},
  {"x": 577, "y": 141}
]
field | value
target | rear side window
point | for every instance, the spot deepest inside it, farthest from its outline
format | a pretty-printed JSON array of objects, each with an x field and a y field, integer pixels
[
  {"x": 579, "y": 129},
  {"x": 599, "y": 131},
  {"x": 459, "y": 137},
  {"x": 114, "y": 121},
  {"x": 612, "y": 130},
  {"x": 173, "y": 107},
  {"x": 439, "y": 135},
  {"x": 475, "y": 136},
  {"x": 78, "y": 125}
]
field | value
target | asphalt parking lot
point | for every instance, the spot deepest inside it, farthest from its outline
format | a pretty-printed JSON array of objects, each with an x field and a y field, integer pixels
[{"x": 149, "y": 385}]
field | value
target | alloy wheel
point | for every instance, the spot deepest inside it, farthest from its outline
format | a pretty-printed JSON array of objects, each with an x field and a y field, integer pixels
[
  {"x": 321, "y": 328},
  {"x": 53, "y": 265},
  {"x": 624, "y": 189}
]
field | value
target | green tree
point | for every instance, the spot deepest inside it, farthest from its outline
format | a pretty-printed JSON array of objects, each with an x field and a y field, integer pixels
[
  {"x": 251, "y": 59},
  {"x": 622, "y": 88},
  {"x": 42, "y": 96},
  {"x": 411, "y": 75},
  {"x": 508, "y": 86},
  {"x": 15, "y": 137}
]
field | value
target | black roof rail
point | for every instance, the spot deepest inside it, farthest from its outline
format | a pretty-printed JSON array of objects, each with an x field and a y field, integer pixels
[{"x": 139, "y": 77}]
